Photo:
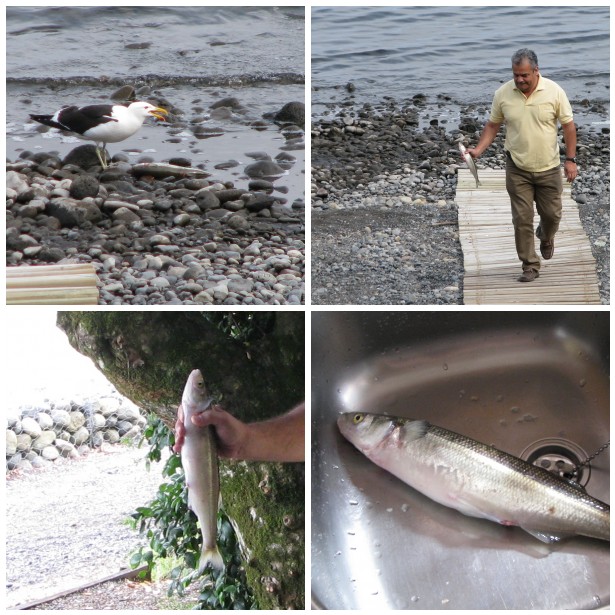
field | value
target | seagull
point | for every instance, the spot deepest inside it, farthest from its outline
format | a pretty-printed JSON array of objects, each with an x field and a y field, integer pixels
[{"x": 102, "y": 123}]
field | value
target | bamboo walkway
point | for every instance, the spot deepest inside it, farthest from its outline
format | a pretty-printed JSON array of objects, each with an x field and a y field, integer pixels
[
  {"x": 71, "y": 284},
  {"x": 490, "y": 259}
]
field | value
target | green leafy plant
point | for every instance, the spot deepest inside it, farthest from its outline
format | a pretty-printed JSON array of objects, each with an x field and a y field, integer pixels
[
  {"x": 172, "y": 531},
  {"x": 245, "y": 327}
]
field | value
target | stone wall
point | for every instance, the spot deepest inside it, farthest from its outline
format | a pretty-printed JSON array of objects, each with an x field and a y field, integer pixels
[{"x": 39, "y": 435}]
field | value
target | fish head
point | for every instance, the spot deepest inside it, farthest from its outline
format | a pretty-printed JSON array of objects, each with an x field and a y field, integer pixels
[
  {"x": 196, "y": 397},
  {"x": 366, "y": 431},
  {"x": 462, "y": 149}
]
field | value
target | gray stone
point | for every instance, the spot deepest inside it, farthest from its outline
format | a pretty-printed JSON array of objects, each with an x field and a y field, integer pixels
[
  {"x": 31, "y": 427},
  {"x": 17, "y": 182},
  {"x": 83, "y": 186},
  {"x": 50, "y": 453},
  {"x": 123, "y": 214},
  {"x": 238, "y": 223},
  {"x": 44, "y": 420},
  {"x": 206, "y": 200},
  {"x": 77, "y": 419},
  {"x": 80, "y": 436},
  {"x": 112, "y": 436},
  {"x": 98, "y": 421},
  {"x": 45, "y": 439},
  {"x": 73, "y": 213},
  {"x": 264, "y": 168},
  {"x": 66, "y": 449},
  {"x": 11, "y": 442}
]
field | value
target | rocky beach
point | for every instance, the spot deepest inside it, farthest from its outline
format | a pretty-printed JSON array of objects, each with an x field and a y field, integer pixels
[
  {"x": 165, "y": 233},
  {"x": 384, "y": 220}
]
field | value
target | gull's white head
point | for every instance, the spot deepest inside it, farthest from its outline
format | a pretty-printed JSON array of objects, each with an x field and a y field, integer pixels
[{"x": 143, "y": 109}]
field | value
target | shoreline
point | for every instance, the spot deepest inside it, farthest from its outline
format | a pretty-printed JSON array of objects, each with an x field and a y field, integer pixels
[{"x": 384, "y": 219}]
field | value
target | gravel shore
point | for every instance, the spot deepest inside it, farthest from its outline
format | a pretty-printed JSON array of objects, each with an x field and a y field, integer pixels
[
  {"x": 384, "y": 219},
  {"x": 163, "y": 233},
  {"x": 65, "y": 525}
]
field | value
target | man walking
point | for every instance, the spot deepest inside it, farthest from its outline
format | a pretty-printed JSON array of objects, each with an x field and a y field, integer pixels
[{"x": 531, "y": 107}]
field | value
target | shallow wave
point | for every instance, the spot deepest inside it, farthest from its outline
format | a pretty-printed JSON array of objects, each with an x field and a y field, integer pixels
[{"x": 164, "y": 80}]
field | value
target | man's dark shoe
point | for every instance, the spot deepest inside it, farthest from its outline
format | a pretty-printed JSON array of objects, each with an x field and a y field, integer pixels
[
  {"x": 529, "y": 275},
  {"x": 546, "y": 247}
]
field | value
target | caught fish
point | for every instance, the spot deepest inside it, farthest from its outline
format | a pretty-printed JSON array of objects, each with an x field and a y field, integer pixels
[
  {"x": 200, "y": 462},
  {"x": 470, "y": 162},
  {"x": 159, "y": 169},
  {"x": 476, "y": 479}
]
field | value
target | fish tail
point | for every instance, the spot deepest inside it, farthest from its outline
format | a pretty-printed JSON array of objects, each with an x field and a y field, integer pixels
[{"x": 210, "y": 557}]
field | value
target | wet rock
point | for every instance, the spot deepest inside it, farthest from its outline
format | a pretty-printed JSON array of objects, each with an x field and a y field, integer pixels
[
  {"x": 83, "y": 156},
  {"x": 264, "y": 168},
  {"x": 292, "y": 112}
]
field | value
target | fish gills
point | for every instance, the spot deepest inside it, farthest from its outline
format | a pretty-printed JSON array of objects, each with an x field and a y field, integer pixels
[
  {"x": 476, "y": 479},
  {"x": 200, "y": 463}
]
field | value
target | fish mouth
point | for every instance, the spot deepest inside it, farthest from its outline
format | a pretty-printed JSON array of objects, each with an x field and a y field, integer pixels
[{"x": 159, "y": 113}]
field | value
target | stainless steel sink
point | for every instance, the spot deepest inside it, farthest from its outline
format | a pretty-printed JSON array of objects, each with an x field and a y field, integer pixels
[{"x": 532, "y": 384}]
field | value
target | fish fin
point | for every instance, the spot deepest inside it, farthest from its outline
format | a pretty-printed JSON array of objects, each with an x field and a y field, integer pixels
[
  {"x": 206, "y": 405},
  {"x": 413, "y": 430},
  {"x": 210, "y": 557},
  {"x": 548, "y": 537}
]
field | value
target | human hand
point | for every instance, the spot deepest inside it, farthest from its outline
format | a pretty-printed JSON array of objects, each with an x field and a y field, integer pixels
[
  {"x": 570, "y": 170},
  {"x": 231, "y": 433},
  {"x": 473, "y": 152}
]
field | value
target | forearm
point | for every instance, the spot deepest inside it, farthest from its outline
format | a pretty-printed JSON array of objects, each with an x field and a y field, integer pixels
[
  {"x": 279, "y": 439},
  {"x": 487, "y": 137},
  {"x": 570, "y": 138}
]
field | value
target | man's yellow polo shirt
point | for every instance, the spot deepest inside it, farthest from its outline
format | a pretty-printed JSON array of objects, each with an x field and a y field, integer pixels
[{"x": 531, "y": 123}]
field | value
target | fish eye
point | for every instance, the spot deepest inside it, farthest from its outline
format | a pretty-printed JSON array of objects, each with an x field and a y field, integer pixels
[{"x": 358, "y": 418}]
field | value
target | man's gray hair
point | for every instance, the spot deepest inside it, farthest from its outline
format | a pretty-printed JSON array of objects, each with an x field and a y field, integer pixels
[{"x": 525, "y": 54}]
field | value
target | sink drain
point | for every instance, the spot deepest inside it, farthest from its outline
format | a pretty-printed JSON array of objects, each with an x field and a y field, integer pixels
[{"x": 559, "y": 456}]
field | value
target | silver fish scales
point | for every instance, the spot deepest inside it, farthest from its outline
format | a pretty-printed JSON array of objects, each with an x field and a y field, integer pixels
[
  {"x": 200, "y": 463},
  {"x": 470, "y": 162},
  {"x": 476, "y": 479}
]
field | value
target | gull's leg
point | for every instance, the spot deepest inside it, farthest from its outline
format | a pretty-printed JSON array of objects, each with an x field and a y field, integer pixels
[{"x": 98, "y": 153}]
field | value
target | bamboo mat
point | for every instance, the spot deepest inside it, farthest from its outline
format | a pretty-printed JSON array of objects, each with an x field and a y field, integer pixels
[
  {"x": 490, "y": 258},
  {"x": 70, "y": 284}
]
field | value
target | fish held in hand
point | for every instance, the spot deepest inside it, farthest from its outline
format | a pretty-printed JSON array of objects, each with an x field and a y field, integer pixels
[
  {"x": 470, "y": 162},
  {"x": 476, "y": 479},
  {"x": 200, "y": 463}
]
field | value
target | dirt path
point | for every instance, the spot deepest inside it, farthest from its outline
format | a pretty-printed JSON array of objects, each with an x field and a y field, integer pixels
[{"x": 66, "y": 525}]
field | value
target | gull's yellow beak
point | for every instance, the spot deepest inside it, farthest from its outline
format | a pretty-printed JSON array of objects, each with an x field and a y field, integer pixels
[{"x": 159, "y": 113}]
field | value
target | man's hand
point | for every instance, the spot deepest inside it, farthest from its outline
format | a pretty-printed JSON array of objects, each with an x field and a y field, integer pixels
[
  {"x": 230, "y": 432},
  {"x": 473, "y": 152},
  {"x": 570, "y": 170},
  {"x": 281, "y": 438}
]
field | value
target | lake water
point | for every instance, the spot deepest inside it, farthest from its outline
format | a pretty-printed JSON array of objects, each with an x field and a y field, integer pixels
[
  {"x": 460, "y": 52},
  {"x": 192, "y": 56}
]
